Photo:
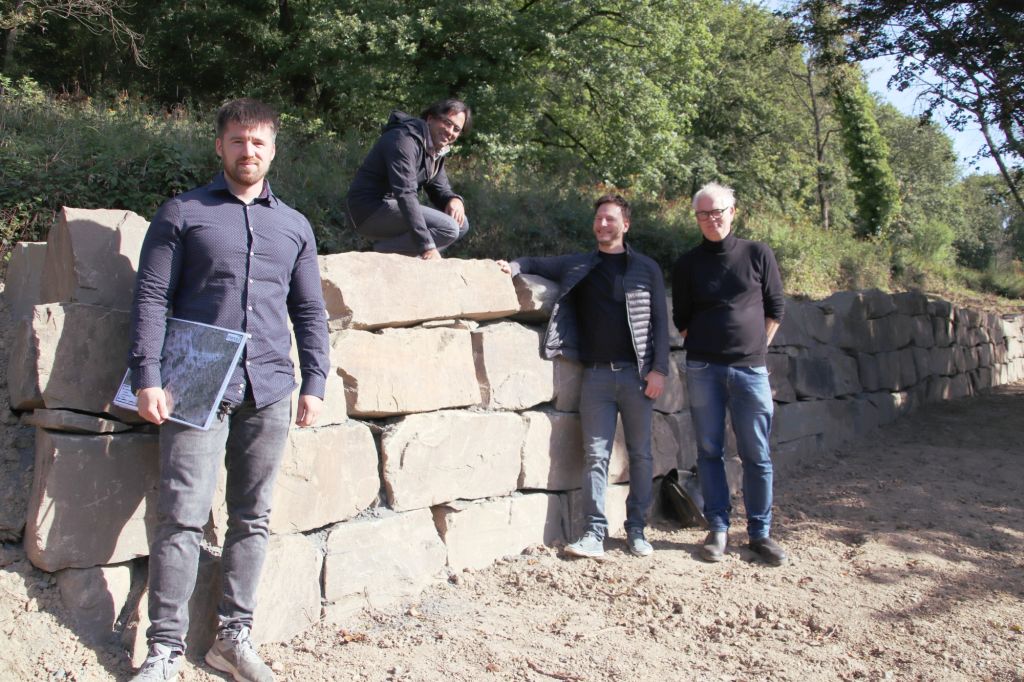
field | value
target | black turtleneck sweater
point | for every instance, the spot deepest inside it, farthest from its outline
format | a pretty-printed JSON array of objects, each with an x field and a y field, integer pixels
[{"x": 721, "y": 294}]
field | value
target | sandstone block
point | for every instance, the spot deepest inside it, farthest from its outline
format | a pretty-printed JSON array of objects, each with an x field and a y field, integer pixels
[
  {"x": 568, "y": 380},
  {"x": 552, "y": 452},
  {"x": 682, "y": 427},
  {"x": 72, "y": 422},
  {"x": 908, "y": 368},
  {"x": 942, "y": 330},
  {"x": 869, "y": 371},
  {"x": 93, "y": 499},
  {"x": 288, "y": 598},
  {"x": 536, "y": 297},
  {"x": 92, "y": 257},
  {"x": 23, "y": 283},
  {"x": 674, "y": 397},
  {"x": 910, "y": 303},
  {"x": 328, "y": 474},
  {"x": 924, "y": 332},
  {"x": 824, "y": 377},
  {"x": 510, "y": 369},
  {"x": 400, "y": 371},
  {"x": 922, "y": 362},
  {"x": 665, "y": 445},
  {"x": 805, "y": 325},
  {"x": 442, "y": 456},
  {"x": 94, "y": 597},
  {"x": 800, "y": 419},
  {"x": 376, "y": 562},
  {"x": 70, "y": 356},
  {"x": 374, "y": 290},
  {"x": 786, "y": 457},
  {"x": 778, "y": 377},
  {"x": 943, "y": 361},
  {"x": 478, "y": 533}
]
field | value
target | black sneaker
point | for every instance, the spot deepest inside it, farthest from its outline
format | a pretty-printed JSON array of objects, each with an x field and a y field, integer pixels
[{"x": 769, "y": 551}]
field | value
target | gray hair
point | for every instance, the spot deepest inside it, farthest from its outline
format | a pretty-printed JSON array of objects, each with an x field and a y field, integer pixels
[{"x": 715, "y": 191}]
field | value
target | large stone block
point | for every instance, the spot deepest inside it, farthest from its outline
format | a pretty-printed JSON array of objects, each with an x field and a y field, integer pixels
[
  {"x": 478, "y": 533},
  {"x": 442, "y": 456},
  {"x": 335, "y": 408},
  {"x": 288, "y": 597},
  {"x": 92, "y": 256},
  {"x": 798, "y": 420},
  {"x": 568, "y": 381},
  {"x": 910, "y": 303},
  {"x": 23, "y": 282},
  {"x": 682, "y": 427},
  {"x": 374, "y": 290},
  {"x": 537, "y": 297},
  {"x": 72, "y": 422},
  {"x": 93, "y": 598},
  {"x": 778, "y": 378},
  {"x": 70, "y": 356},
  {"x": 922, "y": 362},
  {"x": 93, "y": 499},
  {"x": 943, "y": 361},
  {"x": 665, "y": 444},
  {"x": 805, "y": 325},
  {"x": 869, "y": 371},
  {"x": 328, "y": 474},
  {"x": 942, "y": 331},
  {"x": 924, "y": 332},
  {"x": 400, "y": 371},
  {"x": 553, "y": 452},
  {"x": 826, "y": 376},
  {"x": 674, "y": 397},
  {"x": 675, "y": 341},
  {"x": 376, "y": 562},
  {"x": 510, "y": 369}
]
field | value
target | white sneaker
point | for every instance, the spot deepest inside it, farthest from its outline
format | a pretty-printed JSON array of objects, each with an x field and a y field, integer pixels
[{"x": 161, "y": 665}]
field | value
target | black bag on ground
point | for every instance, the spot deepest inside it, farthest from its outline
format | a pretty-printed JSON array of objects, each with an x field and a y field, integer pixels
[{"x": 681, "y": 498}]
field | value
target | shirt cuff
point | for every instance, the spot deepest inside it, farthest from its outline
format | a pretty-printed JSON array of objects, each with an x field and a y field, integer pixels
[
  {"x": 313, "y": 385},
  {"x": 146, "y": 376}
]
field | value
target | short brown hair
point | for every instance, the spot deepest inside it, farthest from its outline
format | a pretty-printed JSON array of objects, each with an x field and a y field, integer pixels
[
  {"x": 616, "y": 199},
  {"x": 249, "y": 113}
]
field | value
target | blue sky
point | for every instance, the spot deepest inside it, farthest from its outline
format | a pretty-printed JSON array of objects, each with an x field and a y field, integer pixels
[{"x": 966, "y": 143}]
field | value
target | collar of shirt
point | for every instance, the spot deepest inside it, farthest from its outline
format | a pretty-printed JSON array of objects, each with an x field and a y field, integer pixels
[{"x": 219, "y": 184}]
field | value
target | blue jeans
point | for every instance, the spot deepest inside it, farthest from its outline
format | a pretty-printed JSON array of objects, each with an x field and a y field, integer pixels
[
  {"x": 250, "y": 441},
  {"x": 605, "y": 394},
  {"x": 745, "y": 392},
  {"x": 390, "y": 231}
]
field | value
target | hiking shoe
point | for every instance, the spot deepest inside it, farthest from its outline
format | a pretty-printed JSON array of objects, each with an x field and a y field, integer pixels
[
  {"x": 161, "y": 665},
  {"x": 590, "y": 545},
  {"x": 637, "y": 543},
  {"x": 769, "y": 551},
  {"x": 713, "y": 549},
  {"x": 234, "y": 653}
]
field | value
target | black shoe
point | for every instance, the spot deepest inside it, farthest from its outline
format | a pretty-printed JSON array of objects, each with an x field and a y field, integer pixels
[
  {"x": 769, "y": 551},
  {"x": 714, "y": 546}
]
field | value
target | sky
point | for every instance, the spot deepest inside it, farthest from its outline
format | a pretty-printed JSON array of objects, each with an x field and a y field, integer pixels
[{"x": 966, "y": 143}]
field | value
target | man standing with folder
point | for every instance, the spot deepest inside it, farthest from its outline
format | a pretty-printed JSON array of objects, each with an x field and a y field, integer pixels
[{"x": 229, "y": 254}]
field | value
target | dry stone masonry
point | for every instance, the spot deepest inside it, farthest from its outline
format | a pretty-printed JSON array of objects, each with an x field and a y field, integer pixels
[{"x": 446, "y": 443}]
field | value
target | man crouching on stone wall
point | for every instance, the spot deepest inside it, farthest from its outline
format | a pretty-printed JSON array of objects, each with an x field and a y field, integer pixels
[
  {"x": 230, "y": 254},
  {"x": 611, "y": 315},
  {"x": 728, "y": 303}
]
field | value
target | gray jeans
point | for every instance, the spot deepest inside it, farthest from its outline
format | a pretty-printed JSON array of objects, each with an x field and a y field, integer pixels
[
  {"x": 250, "y": 441},
  {"x": 390, "y": 232}
]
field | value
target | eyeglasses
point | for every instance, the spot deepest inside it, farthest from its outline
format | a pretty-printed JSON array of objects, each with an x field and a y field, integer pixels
[
  {"x": 713, "y": 213},
  {"x": 450, "y": 124}
]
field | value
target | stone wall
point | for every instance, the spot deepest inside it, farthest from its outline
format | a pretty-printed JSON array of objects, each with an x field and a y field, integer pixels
[{"x": 446, "y": 442}]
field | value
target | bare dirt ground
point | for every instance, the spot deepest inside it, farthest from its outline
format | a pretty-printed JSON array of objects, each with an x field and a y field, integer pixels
[{"x": 907, "y": 564}]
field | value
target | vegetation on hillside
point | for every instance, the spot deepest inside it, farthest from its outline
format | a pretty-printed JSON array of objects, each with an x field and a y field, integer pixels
[{"x": 571, "y": 99}]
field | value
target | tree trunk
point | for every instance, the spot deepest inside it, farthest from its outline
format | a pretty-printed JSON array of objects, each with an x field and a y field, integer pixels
[{"x": 824, "y": 206}]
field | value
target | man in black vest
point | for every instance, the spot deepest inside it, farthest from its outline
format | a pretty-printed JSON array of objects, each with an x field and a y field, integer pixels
[{"x": 611, "y": 315}]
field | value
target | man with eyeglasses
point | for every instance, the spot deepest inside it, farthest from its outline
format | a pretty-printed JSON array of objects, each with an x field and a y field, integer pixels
[
  {"x": 610, "y": 315},
  {"x": 383, "y": 199},
  {"x": 728, "y": 303}
]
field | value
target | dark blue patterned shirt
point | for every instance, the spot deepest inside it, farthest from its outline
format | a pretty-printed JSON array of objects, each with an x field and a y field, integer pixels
[{"x": 209, "y": 258}]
